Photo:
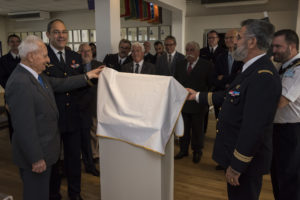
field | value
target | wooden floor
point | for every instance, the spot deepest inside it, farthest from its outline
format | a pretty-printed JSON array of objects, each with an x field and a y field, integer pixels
[{"x": 192, "y": 181}]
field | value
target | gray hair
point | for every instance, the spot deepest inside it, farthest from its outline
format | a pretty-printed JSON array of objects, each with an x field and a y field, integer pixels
[
  {"x": 193, "y": 43},
  {"x": 82, "y": 45},
  {"x": 137, "y": 44},
  {"x": 30, "y": 44},
  {"x": 260, "y": 29}
]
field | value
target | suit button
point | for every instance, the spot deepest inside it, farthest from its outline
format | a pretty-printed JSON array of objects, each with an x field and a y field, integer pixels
[
  {"x": 220, "y": 108},
  {"x": 217, "y": 119},
  {"x": 67, "y": 104},
  {"x": 48, "y": 73},
  {"x": 68, "y": 94},
  {"x": 217, "y": 131},
  {"x": 231, "y": 100},
  {"x": 65, "y": 74}
]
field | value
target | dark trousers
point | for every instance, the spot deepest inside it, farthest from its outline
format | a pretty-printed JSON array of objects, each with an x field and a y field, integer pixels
[
  {"x": 249, "y": 189},
  {"x": 193, "y": 131},
  {"x": 86, "y": 150},
  {"x": 35, "y": 186},
  {"x": 285, "y": 170},
  {"x": 72, "y": 166}
]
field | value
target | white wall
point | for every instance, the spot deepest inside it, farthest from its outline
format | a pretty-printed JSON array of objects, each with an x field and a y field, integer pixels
[{"x": 196, "y": 26}]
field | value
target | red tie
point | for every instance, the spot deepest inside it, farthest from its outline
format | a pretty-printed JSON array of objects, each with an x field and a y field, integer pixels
[{"x": 189, "y": 69}]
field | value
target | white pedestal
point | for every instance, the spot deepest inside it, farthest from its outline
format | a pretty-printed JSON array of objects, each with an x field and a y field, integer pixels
[{"x": 133, "y": 173}]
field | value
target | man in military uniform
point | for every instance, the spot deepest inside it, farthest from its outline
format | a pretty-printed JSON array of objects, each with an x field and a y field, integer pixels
[
  {"x": 285, "y": 169},
  {"x": 243, "y": 143},
  {"x": 66, "y": 63}
]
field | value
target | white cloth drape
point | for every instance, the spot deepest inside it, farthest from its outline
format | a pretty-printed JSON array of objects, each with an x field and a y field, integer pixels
[{"x": 139, "y": 109}]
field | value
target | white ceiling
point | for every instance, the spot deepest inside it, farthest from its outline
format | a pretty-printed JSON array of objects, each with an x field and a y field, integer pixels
[
  {"x": 194, "y": 7},
  {"x": 7, "y": 6}
]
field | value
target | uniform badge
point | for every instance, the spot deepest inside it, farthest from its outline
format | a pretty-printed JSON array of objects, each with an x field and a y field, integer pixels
[
  {"x": 289, "y": 73},
  {"x": 238, "y": 86},
  {"x": 74, "y": 64},
  {"x": 233, "y": 93}
]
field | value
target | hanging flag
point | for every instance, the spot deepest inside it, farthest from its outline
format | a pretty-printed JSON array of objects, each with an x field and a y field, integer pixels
[
  {"x": 147, "y": 11},
  {"x": 141, "y": 10},
  {"x": 126, "y": 7},
  {"x": 132, "y": 10},
  {"x": 155, "y": 18}
]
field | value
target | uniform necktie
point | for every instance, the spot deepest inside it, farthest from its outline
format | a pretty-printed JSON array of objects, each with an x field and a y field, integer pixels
[
  {"x": 120, "y": 62},
  {"x": 136, "y": 68},
  {"x": 61, "y": 58},
  {"x": 212, "y": 50},
  {"x": 41, "y": 81},
  {"x": 170, "y": 59},
  {"x": 189, "y": 69}
]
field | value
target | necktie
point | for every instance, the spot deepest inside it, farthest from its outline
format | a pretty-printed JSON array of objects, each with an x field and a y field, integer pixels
[
  {"x": 120, "y": 62},
  {"x": 61, "y": 59},
  {"x": 212, "y": 50},
  {"x": 189, "y": 69},
  {"x": 41, "y": 81},
  {"x": 136, "y": 68},
  {"x": 230, "y": 62},
  {"x": 170, "y": 59}
]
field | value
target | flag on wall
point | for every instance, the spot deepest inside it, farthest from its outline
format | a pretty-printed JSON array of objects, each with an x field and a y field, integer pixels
[{"x": 125, "y": 8}]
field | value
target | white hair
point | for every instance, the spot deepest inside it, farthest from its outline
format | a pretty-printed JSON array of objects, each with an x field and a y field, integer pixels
[
  {"x": 30, "y": 44},
  {"x": 137, "y": 44}
]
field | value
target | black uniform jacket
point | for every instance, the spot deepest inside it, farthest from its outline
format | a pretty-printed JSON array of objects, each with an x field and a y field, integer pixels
[
  {"x": 67, "y": 102},
  {"x": 112, "y": 61},
  {"x": 244, "y": 127}
]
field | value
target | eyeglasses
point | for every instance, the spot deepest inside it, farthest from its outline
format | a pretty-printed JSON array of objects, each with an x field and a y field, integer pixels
[
  {"x": 168, "y": 45},
  {"x": 211, "y": 38},
  {"x": 57, "y": 32},
  {"x": 125, "y": 48}
]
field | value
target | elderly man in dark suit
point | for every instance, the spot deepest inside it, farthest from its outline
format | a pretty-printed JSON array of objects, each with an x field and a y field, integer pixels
[
  {"x": 138, "y": 65},
  {"x": 116, "y": 60},
  {"x": 30, "y": 99},
  {"x": 88, "y": 113},
  {"x": 243, "y": 143},
  {"x": 165, "y": 64},
  {"x": 196, "y": 73},
  {"x": 66, "y": 63}
]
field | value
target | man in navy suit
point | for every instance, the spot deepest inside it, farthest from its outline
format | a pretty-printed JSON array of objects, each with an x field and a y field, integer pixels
[{"x": 165, "y": 64}]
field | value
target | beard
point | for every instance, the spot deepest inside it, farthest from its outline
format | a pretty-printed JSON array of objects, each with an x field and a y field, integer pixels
[
  {"x": 240, "y": 53},
  {"x": 282, "y": 56}
]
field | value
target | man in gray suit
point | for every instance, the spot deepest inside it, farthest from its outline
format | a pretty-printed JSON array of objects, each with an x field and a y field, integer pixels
[
  {"x": 138, "y": 65},
  {"x": 165, "y": 64},
  {"x": 30, "y": 99}
]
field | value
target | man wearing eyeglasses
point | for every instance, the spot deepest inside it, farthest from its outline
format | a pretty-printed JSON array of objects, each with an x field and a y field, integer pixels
[
  {"x": 213, "y": 50},
  {"x": 66, "y": 63},
  {"x": 116, "y": 60},
  {"x": 165, "y": 64}
]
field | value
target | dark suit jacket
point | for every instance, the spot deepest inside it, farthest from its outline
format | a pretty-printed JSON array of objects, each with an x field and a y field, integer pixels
[
  {"x": 149, "y": 58},
  {"x": 67, "y": 102},
  {"x": 88, "y": 101},
  {"x": 112, "y": 61},
  {"x": 222, "y": 68},
  {"x": 7, "y": 66},
  {"x": 205, "y": 54},
  {"x": 199, "y": 80},
  {"x": 147, "y": 68},
  {"x": 245, "y": 125},
  {"x": 162, "y": 66},
  {"x": 34, "y": 116}
]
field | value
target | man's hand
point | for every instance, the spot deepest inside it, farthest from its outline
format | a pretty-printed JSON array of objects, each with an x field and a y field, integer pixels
[
  {"x": 232, "y": 176},
  {"x": 220, "y": 77},
  {"x": 192, "y": 94},
  {"x": 39, "y": 166},
  {"x": 95, "y": 72}
]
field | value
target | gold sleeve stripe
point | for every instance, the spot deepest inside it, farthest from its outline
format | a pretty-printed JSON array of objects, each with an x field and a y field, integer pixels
[
  {"x": 90, "y": 83},
  {"x": 242, "y": 157},
  {"x": 209, "y": 99},
  {"x": 265, "y": 71}
]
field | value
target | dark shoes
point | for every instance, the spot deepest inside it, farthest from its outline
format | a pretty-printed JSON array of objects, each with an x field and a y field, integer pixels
[
  {"x": 76, "y": 198},
  {"x": 219, "y": 167},
  {"x": 180, "y": 155},
  {"x": 92, "y": 171},
  {"x": 197, "y": 157}
]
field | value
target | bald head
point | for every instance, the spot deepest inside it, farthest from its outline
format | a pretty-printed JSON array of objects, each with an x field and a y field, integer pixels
[{"x": 231, "y": 39}]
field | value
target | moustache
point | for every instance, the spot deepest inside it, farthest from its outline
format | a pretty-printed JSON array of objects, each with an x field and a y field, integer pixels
[{"x": 189, "y": 56}]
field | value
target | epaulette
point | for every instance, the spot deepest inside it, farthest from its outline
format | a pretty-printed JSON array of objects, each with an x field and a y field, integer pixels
[
  {"x": 265, "y": 71},
  {"x": 297, "y": 63}
]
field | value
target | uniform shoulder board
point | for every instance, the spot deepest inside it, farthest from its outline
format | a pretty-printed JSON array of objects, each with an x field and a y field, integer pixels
[
  {"x": 297, "y": 63},
  {"x": 265, "y": 71}
]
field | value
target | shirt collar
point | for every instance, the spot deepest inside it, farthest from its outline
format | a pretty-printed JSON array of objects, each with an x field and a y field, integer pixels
[
  {"x": 140, "y": 63},
  {"x": 172, "y": 54},
  {"x": 194, "y": 63},
  {"x": 290, "y": 61},
  {"x": 30, "y": 70},
  {"x": 14, "y": 55},
  {"x": 122, "y": 59},
  {"x": 251, "y": 61},
  {"x": 56, "y": 51}
]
